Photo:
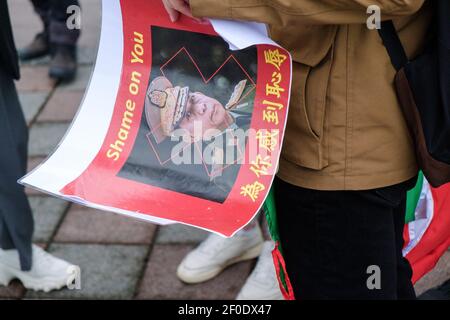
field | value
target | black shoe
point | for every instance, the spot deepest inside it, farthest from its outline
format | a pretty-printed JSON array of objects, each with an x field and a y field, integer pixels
[
  {"x": 439, "y": 293},
  {"x": 39, "y": 47},
  {"x": 63, "y": 65}
]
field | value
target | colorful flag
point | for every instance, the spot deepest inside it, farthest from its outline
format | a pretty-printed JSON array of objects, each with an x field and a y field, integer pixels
[
  {"x": 426, "y": 233},
  {"x": 427, "y": 229}
]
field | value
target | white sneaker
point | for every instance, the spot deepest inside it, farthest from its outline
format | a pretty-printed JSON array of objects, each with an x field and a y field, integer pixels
[
  {"x": 216, "y": 253},
  {"x": 262, "y": 284},
  {"x": 47, "y": 272}
]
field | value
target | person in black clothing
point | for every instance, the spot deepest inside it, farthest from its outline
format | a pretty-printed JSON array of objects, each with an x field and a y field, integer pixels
[
  {"x": 56, "y": 39},
  {"x": 19, "y": 258}
]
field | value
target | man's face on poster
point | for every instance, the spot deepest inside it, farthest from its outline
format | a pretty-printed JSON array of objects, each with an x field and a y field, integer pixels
[{"x": 204, "y": 116}]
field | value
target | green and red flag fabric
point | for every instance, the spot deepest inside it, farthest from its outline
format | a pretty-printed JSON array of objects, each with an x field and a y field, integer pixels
[
  {"x": 427, "y": 229},
  {"x": 426, "y": 233},
  {"x": 280, "y": 265}
]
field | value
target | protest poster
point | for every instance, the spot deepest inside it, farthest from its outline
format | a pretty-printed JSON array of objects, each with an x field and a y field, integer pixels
[{"x": 178, "y": 125}]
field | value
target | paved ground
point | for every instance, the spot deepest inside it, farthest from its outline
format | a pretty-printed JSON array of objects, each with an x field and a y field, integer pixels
[{"x": 119, "y": 257}]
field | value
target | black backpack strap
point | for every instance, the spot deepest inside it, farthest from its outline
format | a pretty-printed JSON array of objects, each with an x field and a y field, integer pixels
[{"x": 393, "y": 44}]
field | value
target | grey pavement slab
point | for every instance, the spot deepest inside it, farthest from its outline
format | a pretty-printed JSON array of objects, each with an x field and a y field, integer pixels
[
  {"x": 35, "y": 78},
  {"x": 178, "y": 233},
  {"x": 47, "y": 212},
  {"x": 87, "y": 55},
  {"x": 160, "y": 280},
  {"x": 61, "y": 107},
  {"x": 436, "y": 277},
  {"x": 83, "y": 225},
  {"x": 44, "y": 137},
  {"x": 107, "y": 272},
  {"x": 33, "y": 163},
  {"x": 31, "y": 103},
  {"x": 90, "y": 23},
  {"x": 24, "y": 20},
  {"x": 81, "y": 81}
]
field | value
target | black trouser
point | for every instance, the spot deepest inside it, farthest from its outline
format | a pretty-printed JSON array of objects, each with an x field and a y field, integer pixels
[
  {"x": 16, "y": 220},
  {"x": 54, "y": 16},
  {"x": 331, "y": 238}
]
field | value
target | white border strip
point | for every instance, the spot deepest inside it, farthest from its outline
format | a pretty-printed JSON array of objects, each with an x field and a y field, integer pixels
[{"x": 88, "y": 130}]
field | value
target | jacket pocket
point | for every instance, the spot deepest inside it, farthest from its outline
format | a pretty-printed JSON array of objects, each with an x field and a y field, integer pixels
[{"x": 306, "y": 142}]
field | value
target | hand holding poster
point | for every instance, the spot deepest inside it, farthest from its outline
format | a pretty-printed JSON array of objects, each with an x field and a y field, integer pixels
[{"x": 175, "y": 126}]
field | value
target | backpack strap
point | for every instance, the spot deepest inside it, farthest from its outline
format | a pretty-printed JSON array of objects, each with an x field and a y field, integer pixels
[{"x": 393, "y": 44}]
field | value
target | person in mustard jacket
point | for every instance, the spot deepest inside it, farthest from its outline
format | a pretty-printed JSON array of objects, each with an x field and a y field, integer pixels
[{"x": 347, "y": 159}]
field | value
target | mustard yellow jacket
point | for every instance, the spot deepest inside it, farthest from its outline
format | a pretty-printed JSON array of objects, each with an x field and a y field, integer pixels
[{"x": 345, "y": 128}]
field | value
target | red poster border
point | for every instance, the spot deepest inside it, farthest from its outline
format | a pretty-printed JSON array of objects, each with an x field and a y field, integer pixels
[{"x": 100, "y": 184}]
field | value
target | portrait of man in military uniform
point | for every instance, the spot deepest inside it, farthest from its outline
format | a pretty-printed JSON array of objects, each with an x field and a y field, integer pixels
[
  {"x": 169, "y": 107},
  {"x": 197, "y": 100}
]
